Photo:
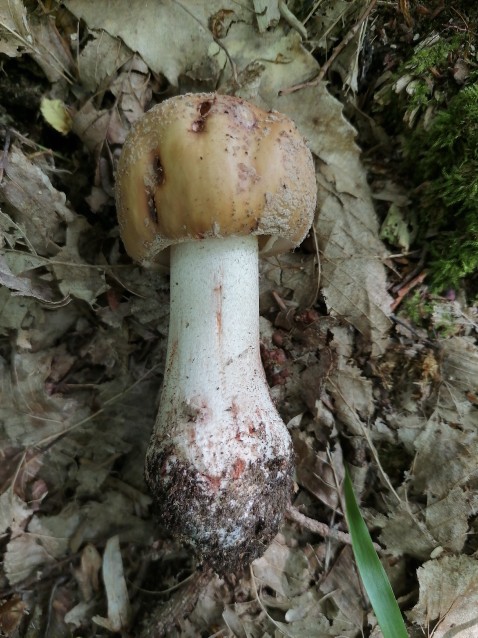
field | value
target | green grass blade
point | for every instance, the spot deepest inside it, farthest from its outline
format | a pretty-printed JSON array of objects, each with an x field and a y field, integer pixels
[{"x": 371, "y": 571}]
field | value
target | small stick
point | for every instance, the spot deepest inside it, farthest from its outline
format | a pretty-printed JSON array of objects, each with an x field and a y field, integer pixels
[
  {"x": 335, "y": 53},
  {"x": 292, "y": 21},
  {"x": 418, "y": 268},
  {"x": 406, "y": 289},
  {"x": 322, "y": 529}
]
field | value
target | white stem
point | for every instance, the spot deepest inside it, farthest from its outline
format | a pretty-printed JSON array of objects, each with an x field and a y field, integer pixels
[{"x": 219, "y": 463}]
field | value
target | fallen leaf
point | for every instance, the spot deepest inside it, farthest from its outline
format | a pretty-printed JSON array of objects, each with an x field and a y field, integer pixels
[
  {"x": 76, "y": 278},
  {"x": 284, "y": 569},
  {"x": 14, "y": 513},
  {"x": 87, "y": 574},
  {"x": 119, "y": 612},
  {"x": 33, "y": 203},
  {"x": 173, "y": 39},
  {"x": 342, "y": 584},
  {"x": 100, "y": 58},
  {"x": 56, "y": 114},
  {"x": 14, "y": 29},
  {"x": 26, "y": 285},
  {"x": 448, "y": 599}
]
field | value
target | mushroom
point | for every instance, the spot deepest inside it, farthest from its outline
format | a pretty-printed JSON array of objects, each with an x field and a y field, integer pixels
[{"x": 212, "y": 178}]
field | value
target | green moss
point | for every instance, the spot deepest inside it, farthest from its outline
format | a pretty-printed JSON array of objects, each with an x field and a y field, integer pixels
[
  {"x": 421, "y": 82},
  {"x": 417, "y": 309},
  {"x": 421, "y": 95},
  {"x": 445, "y": 159},
  {"x": 431, "y": 56},
  {"x": 436, "y": 120},
  {"x": 432, "y": 314}
]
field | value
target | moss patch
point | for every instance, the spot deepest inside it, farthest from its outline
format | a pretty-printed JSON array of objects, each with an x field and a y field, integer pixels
[{"x": 445, "y": 161}]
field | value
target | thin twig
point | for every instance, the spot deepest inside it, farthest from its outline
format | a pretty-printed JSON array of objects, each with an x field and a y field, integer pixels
[
  {"x": 406, "y": 289},
  {"x": 335, "y": 53},
  {"x": 322, "y": 529},
  {"x": 291, "y": 20},
  {"x": 411, "y": 275}
]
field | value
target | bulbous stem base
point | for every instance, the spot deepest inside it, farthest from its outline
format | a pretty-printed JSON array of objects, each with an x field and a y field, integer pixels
[{"x": 219, "y": 463}]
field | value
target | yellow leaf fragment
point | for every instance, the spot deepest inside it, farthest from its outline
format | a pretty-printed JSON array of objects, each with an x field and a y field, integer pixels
[{"x": 56, "y": 114}]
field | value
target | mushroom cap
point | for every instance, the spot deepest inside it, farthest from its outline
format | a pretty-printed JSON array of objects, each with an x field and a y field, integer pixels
[{"x": 209, "y": 165}]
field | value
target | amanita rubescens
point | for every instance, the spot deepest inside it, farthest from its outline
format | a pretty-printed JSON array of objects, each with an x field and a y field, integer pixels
[{"x": 215, "y": 179}]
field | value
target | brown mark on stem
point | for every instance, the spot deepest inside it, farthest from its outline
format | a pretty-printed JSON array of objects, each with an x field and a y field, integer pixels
[
  {"x": 172, "y": 355},
  {"x": 218, "y": 304}
]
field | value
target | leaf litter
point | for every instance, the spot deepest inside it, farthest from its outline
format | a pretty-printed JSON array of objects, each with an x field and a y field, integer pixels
[{"x": 83, "y": 334}]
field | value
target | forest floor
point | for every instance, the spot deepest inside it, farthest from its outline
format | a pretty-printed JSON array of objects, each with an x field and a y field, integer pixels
[{"x": 372, "y": 363}]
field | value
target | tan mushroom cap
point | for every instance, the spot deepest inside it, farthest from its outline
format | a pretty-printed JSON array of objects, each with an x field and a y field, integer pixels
[{"x": 208, "y": 165}]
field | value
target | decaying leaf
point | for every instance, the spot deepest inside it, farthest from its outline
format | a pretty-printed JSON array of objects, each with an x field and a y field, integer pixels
[
  {"x": 283, "y": 569},
  {"x": 33, "y": 203},
  {"x": 11, "y": 615},
  {"x": 56, "y": 114},
  {"x": 14, "y": 28},
  {"x": 100, "y": 58},
  {"x": 448, "y": 600},
  {"x": 76, "y": 278},
  {"x": 14, "y": 512},
  {"x": 118, "y": 600},
  {"x": 172, "y": 38},
  {"x": 342, "y": 584},
  {"x": 318, "y": 472},
  {"x": 87, "y": 574},
  {"x": 446, "y": 457}
]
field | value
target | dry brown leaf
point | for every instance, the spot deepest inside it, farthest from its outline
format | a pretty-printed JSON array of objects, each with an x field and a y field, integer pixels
[
  {"x": 87, "y": 575},
  {"x": 446, "y": 457},
  {"x": 50, "y": 538},
  {"x": 14, "y": 513},
  {"x": 14, "y": 28},
  {"x": 314, "y": 470},
  {"x": 27, "y": 413},
  {"x": 12, "y": 612},
  {"x": 459, "y": 373},
  {"x": 49, "y": 50},
  {"x": 405, "y": 532},
  {"x": 172, "y": 38},
  {"x": 91, "y": 126},
  {"x": 33, "y": 203},
  {"x": 353, "y": 397},
  {"x": 447, "y": 519},
  {"x": 75, "y": 277},
  {"x": 448, "y": 601},
  {"x": 442, "y": 523},
  {"x": 342, "y": 584},
  {"x": 132, "y": 88},
  {"x": 27, "y": 285},
  {"x": 100, "y": 58},
  {"x": 284, "y": 569}
]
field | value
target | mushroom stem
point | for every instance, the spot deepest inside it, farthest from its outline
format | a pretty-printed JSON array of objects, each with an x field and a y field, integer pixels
[{"x": 220, "y": 459}]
